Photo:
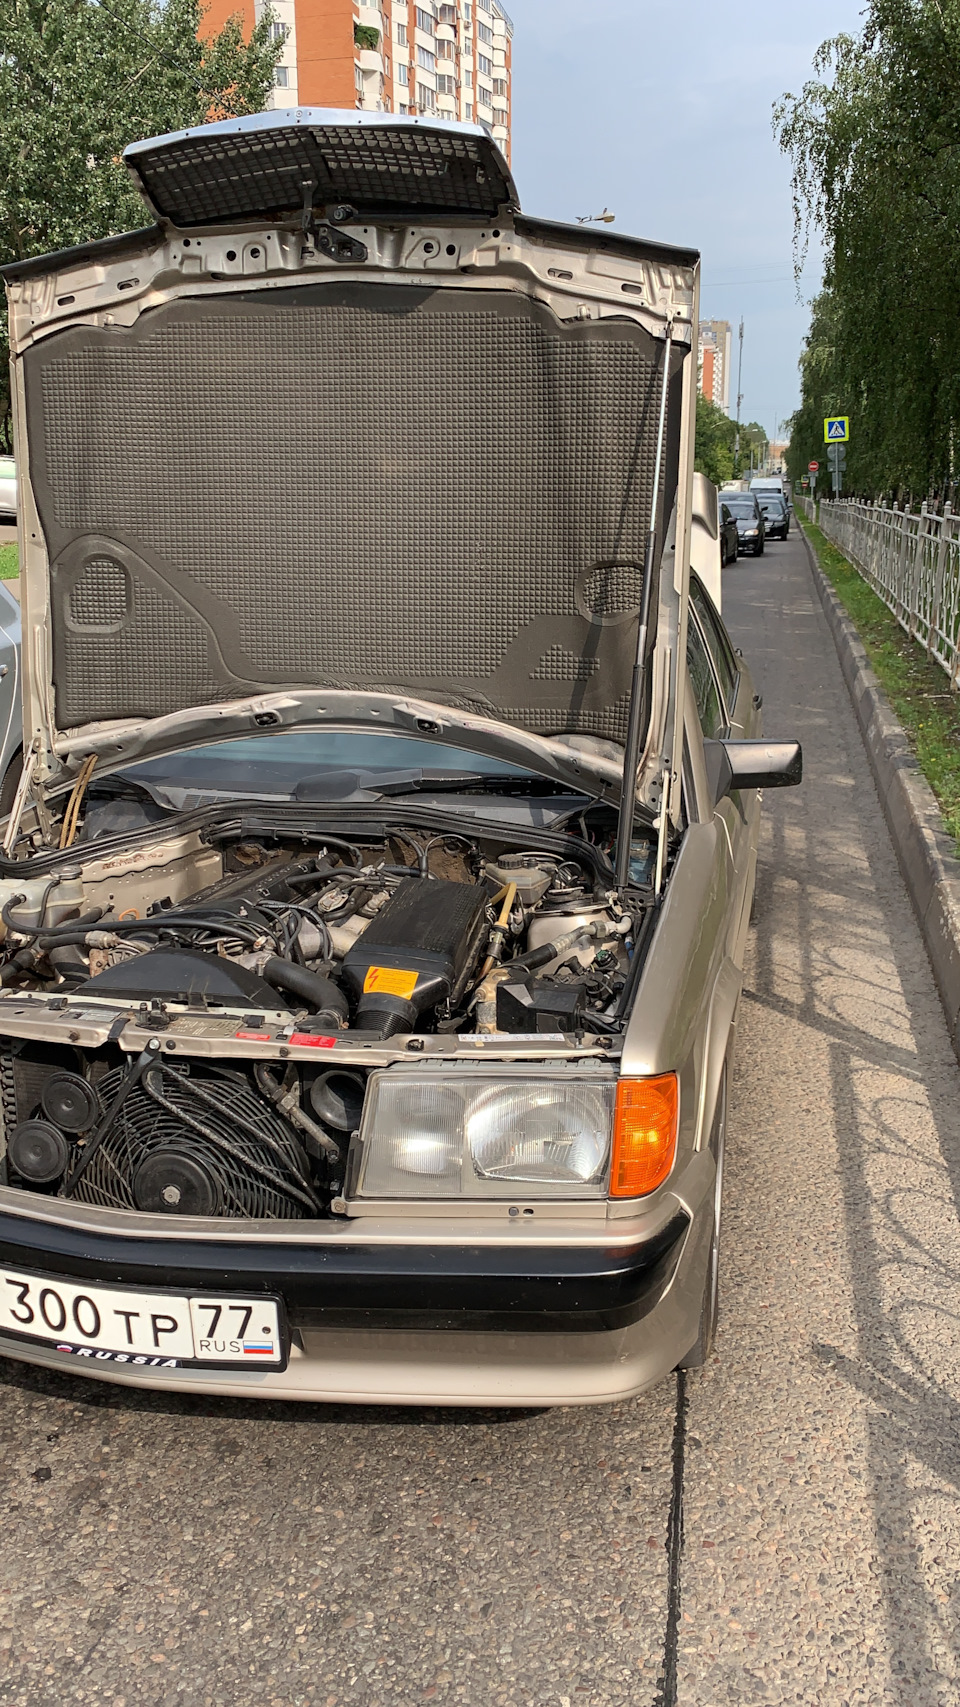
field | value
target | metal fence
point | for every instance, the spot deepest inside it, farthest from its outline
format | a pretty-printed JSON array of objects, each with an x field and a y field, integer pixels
[
  {"x": 808, "y": 506},
  {"x": 913, "y": 563}
]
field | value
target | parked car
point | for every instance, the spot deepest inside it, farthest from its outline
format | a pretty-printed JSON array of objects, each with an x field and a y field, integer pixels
[
  {"x": 729, "y": 534},
  {"x": 773, "y": 483},
  {"x": 372, "y": 946},
  {"x": 748, "y": 519},
  {"x": 776, "y": 515},
  {"x": 8, "y": 488}
]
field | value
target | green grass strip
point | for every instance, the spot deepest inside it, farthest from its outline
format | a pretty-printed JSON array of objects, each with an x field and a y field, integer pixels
[
  {"x": 9, "y": 563},
  {"x": 917, "y": 688}
]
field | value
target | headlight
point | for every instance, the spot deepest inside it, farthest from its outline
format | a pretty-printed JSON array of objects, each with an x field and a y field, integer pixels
[
  {"x": 750, "y": 532},
  {"x": 483, "y": 1137}
]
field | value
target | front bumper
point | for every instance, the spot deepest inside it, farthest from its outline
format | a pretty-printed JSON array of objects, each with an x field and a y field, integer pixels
[{"x": 424, "y": 1323}]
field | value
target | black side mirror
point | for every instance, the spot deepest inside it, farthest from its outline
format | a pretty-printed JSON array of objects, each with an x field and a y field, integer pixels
[{"x": 752, "y": 764}]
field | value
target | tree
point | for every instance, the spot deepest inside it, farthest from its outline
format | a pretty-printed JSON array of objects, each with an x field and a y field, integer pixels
[
  {"x": 78, "y": 81},
  {"x": 875, "y": 143},
  {"x": 714, "y": 442}
]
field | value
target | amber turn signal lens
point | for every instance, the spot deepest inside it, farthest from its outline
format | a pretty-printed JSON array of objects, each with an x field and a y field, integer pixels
[{"x": 644, "y": 1134}]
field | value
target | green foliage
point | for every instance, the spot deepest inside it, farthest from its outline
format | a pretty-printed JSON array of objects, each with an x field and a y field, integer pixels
[
  {"x": 9, "y": 563},
  {"x": 78, "y": 81},
  {"x": 875, "y": 143},
  {"x": 365, "y": 35},
  {"x": 714, "y": 443},
  {"x": 752, "y": 439},
  {"x": 716, "y": 436}
]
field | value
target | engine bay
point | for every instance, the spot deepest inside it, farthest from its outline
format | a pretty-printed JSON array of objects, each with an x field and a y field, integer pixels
[{"x": 302, "y": 954}]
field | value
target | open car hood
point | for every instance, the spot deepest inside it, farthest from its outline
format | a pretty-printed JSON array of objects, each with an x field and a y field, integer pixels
[{"x": 345, "y": 419}]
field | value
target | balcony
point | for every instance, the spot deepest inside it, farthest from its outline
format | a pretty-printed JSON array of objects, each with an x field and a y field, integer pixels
[
  {"x": 445, "y": 32},
  {"x": 499, "y": 56},
  {"x": 369, "y": 60}
]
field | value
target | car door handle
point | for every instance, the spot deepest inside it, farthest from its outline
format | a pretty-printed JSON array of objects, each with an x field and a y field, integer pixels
[
  {"x": 4, "y": 670},
  {"x": 757, "y": 701}
]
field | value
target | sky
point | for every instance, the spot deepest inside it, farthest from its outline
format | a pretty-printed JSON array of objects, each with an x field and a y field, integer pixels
[{"x": 662, "y": 113}]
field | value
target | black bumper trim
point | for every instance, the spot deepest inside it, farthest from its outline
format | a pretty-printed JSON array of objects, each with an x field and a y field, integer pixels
[{"x": 509, "y": 1287}]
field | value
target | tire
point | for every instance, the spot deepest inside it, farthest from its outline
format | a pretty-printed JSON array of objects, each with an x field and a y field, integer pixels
[
  {"x": 759, "y": 551},
  {"x": 702, "y": 1346}
]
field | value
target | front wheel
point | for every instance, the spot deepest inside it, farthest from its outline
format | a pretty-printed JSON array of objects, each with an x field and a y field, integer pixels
[{"x": 702, "y": 1346}]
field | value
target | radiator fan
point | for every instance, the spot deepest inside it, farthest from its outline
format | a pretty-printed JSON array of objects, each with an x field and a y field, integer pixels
[{"x": 182, "y": 1144}]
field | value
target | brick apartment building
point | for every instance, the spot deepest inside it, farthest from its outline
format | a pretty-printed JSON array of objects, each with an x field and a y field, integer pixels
[
  {"x": 452, "y": 60},
  {"x": 716, "y": 342}
]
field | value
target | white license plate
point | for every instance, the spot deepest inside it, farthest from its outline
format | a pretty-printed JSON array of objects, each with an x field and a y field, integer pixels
[{"x": 160, "y": 1329}]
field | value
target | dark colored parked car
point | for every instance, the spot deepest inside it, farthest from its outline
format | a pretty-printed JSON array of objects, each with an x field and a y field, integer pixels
[
  {"x": 748, "y": 517},
  {"x": 776, "y": 515},
  {"x": 729, "y": 537}
]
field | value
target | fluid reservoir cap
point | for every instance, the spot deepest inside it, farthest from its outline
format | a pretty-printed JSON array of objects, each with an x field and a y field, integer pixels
[
  {"x": 174, "y": 1182},
  {"x": 38, "y": 1152},
  {"x": 70, "y": 1102}
]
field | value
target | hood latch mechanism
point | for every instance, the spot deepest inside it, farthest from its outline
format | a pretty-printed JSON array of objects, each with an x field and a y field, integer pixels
[{"x": 322, "y": 237}]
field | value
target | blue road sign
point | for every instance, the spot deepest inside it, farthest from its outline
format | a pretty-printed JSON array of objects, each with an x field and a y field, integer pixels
[{"x": 836, "y": 429}]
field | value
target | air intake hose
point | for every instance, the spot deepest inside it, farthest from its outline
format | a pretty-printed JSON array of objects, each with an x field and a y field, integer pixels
[{"x": 320, "y": 995}]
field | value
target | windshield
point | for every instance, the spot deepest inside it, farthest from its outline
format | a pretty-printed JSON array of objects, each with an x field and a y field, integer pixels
[
  {"x": 321, "y": 764},
  {"x": 740, "y": 507},
  {"x": 771, "y": 501}
]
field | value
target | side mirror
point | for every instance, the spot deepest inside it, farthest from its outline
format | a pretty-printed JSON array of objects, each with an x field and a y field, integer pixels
[{"x": 752, "y": 764}]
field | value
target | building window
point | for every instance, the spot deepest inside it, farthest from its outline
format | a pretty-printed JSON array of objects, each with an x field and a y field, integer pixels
[
  {"x": 403, "y": 109},
  {"x": 426, "y": 98},
  {"x": 448, "y": 14},
  {"x": 401, "y": 35},
  {"x": 467, "y": 77},
  {"x": 484, "y": 65},
  {"x": 499, "y": 86},
  {"x": 278, "y": 32},
  {"x": 484, "y": 6},
  {"x": 485, "y": 33},
  {"x": 280, "y": 76},
  {"x": 445, "y": 50},
  {"x": 469, "y": 111},
  {"x": 426, "y": 59},
  {"x": 467, "y": 12},
  {"x": 424, "y": 22},
  {"x": 500, "y": 116},
  {"x": 446, "y": 85},
  {"x": 403, "y": 76}
]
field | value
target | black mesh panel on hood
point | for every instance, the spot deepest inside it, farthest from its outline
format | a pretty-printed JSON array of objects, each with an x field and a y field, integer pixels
[{"x": 444, "y": 492}]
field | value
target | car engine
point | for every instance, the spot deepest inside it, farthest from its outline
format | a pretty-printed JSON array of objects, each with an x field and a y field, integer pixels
[{"x": 413, "y": 935}]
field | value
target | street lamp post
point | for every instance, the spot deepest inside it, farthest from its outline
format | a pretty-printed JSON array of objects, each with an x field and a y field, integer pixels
[{"x": 736, "y": 442}]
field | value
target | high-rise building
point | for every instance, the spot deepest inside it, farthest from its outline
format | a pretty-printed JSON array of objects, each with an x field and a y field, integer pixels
[
  {"x": 390, "y": 56},
  {"x": 716, "y": 343}
]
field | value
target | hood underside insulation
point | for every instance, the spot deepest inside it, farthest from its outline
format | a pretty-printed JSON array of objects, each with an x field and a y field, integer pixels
[{"x": 442, "y": 492}]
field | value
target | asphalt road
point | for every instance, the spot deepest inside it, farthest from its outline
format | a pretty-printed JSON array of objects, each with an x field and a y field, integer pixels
[{"x": 165, "y": 1550}]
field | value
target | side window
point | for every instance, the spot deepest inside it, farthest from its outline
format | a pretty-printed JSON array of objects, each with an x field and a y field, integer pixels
[
  {"x": 720, "y": 649},
  {"x": 712, "y": 717}
]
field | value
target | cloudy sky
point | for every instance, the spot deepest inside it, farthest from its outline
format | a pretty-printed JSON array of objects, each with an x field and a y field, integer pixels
[{"x": 661, "y": 112}]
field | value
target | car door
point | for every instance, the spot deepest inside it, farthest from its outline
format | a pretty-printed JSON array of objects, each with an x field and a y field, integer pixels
[
  {"x": 737, "y": 715},
  {"x": 11, "y": 724}
]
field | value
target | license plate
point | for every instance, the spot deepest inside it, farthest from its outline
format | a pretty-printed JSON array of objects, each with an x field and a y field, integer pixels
[{"x": 156, "y": 1329}]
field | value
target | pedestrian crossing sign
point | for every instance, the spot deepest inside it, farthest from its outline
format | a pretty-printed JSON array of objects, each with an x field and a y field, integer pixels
[{"x": 836, "y": 429}]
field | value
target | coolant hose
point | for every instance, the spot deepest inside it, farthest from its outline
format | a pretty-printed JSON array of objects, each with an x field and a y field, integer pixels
[{"x": 320, "y": 995}]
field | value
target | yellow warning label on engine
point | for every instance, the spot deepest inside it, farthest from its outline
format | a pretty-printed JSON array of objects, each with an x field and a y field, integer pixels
[{"x": 389, "y": 981}]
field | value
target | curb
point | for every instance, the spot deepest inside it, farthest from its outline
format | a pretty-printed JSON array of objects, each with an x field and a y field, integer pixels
[{"x": 925, "y": 853}]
